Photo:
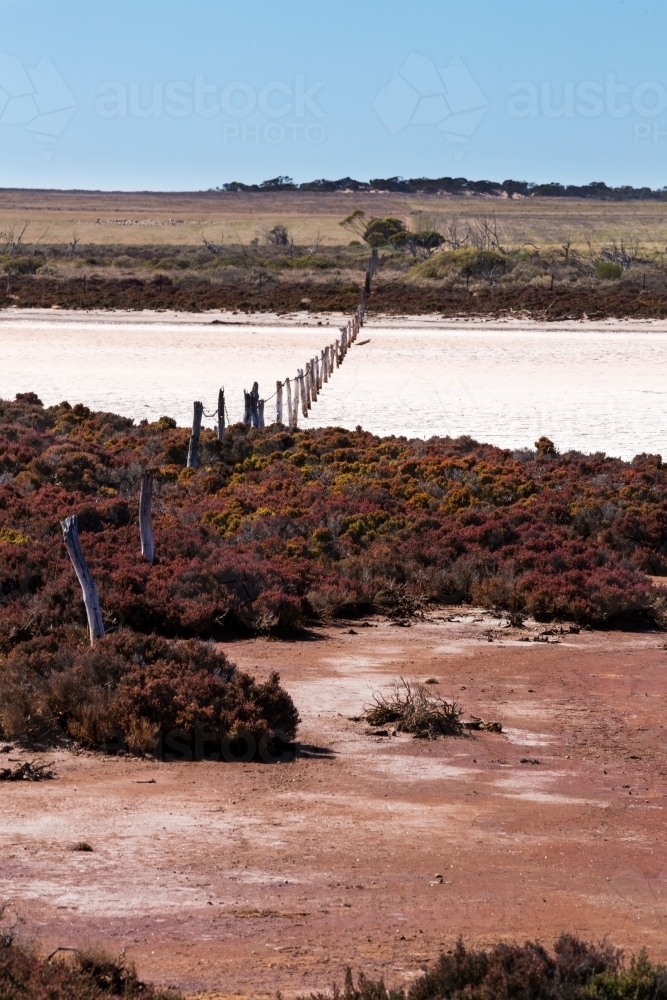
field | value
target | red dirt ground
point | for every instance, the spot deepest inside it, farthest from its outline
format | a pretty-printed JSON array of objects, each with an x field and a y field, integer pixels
[{"x": 240, "y": 879}]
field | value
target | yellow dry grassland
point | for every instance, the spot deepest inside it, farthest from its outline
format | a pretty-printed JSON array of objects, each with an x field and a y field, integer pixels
[{"x": 134, "y": 219}]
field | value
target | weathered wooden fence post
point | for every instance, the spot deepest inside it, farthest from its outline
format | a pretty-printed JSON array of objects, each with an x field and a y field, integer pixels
[
  {"x": 279, "y": 402},
  {"x": 288, "y": 389},
  {"x": 254, "y": 409},
  {"x": 304, "y": 394},
  {"x": 313, "y": 380},
  {"x": 260, "y": 414},
  {"x": 194, "y": 437},
  {"x": 338, "y": 358},
  {"x": 246, "y": 408},
  {"x": 293, "y": 403},
  {"x": 325, "y": 364},
  {"x": 145, "y": 519},
  {"x": 91, "y": 598},
  {"x": 221, "y": 414}
]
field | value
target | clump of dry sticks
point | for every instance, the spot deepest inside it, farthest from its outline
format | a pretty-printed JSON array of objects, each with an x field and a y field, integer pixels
[
  {"x": 411, "y": 708},
  {"x": 28, "y": 771}
]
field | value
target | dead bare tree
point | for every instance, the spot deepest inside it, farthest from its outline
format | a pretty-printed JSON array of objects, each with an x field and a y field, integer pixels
[
  {"x": 482, "y": 232},
  {"x": 454, "y": 235},
  {"x": 214, "y": 248},
  {"x": 13, "y": 242},
  {"x": 73, "y": 243},
  {"x": 316, "y": 243},
  {"x": 622, "y": 253}
]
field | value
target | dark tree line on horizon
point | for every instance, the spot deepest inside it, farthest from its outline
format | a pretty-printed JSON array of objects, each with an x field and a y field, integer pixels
[{"x": 597, "y": 190}]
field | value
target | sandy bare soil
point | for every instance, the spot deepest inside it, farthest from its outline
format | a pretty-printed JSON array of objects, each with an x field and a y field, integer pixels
[{"x": 247, "y": 878}]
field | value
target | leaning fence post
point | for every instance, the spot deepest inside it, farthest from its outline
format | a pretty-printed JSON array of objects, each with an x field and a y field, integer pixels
[
  {"x": 221, "y": 414},
  {"x": 145, "y": 520},
  {"x": 91, "y": 598},
  {"x": 194, "y": 437},
  {"x": 279, "y": 402},
  {"x": 338, "y": 359}
]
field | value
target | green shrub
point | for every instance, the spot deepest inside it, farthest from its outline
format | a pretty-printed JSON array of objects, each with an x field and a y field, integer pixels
[
  {"x": 607, "y": 270},
  {"x": 380, "y": 231},
  {"x": 468, "y": 260}
]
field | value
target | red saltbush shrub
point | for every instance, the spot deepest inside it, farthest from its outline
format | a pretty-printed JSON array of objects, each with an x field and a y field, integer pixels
[
  {"x": 84, "y": 975},
  {"x": 136, "y": 685},
  {"x": 276, "y": 527}
]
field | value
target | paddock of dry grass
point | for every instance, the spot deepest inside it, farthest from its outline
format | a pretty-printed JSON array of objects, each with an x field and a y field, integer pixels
[{"x": 181, "y": 219}]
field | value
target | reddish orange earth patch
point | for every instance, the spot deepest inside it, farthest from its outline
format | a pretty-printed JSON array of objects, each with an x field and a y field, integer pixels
[{"x": 240, "y": 879}]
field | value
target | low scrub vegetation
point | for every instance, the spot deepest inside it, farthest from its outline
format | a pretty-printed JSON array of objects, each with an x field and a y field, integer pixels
[
  {"x": 575, "y": 970},
  {"x": 71, "y": 975},
  {"x": 138, "y": 686},
  {"x": 275, "y": 528}
]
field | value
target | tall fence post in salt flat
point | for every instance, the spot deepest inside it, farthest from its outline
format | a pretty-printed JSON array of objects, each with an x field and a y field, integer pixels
[
  {"x": 288, "y": 389},
  {"x": 313, "y": 380},
  {"x": 325, "y": 363},
  {"x": 254, "y": 409},
  {"x": 221, "y": 414},
  {"x": 260, "y": 414},
  {"x": 246, "y": 408},
  {"x": 337, "y": 346},
  {"x": 145, "y": 519},
  {"x": 311, "y": 389},
  {"x": 279, "y": 402},
  {"x": 194, "y": 437},
  {"x": 91, "y": 598},
  {"x": 304, "y": 395}
]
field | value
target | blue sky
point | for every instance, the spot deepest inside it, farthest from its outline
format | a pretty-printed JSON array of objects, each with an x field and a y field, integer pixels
[{"x": 182, "y": 96}]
